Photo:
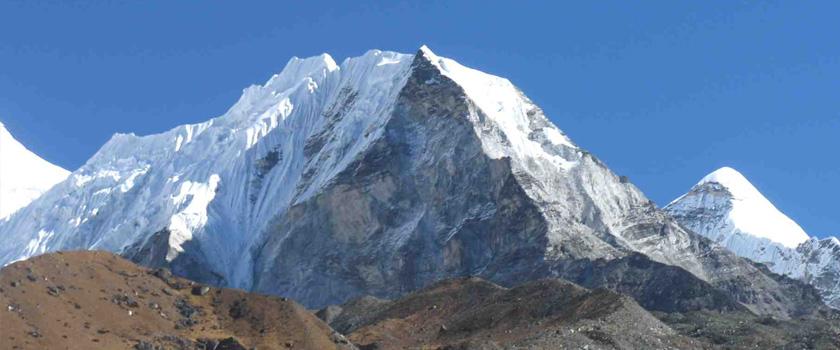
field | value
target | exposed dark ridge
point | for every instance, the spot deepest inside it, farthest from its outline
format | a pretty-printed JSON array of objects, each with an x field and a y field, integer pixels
[
  {"x": 469, "y": 313},
  {"x": 655, "y": 286}
]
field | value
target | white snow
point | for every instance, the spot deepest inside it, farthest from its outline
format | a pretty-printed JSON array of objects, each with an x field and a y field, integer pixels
[
  {"x": 268, "y": 121},
  {"x": 197, "y": 196},
  {"x": 752, "y": 213},
  {"x": 387, "y": 60},
  {"x": 726, "y": 208},
  {"x": 38, "y": 245},
  {"x": 499, "y": 99},
  {"x": 23, "y": 175}
]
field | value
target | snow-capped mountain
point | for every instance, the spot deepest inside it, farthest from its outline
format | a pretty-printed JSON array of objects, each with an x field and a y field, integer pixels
[
  {"x": 726, "y": 208},
  {"x": 23, "y": 175},
  {"x": 378, "y": 176}
]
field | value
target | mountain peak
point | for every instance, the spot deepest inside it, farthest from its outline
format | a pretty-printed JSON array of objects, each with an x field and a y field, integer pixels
[
  {"x": 323, "y": 60},
  {"x": 747, "y": 210},
  {"x": 299, "y": 68},
  {"x": 727, "y": 209},
  {"x": 426, "y": 51},
  {"x": 734, "y": 181},
  {"x": 724, "y": 174}
]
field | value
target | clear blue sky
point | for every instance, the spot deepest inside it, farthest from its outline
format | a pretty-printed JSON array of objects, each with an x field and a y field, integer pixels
[{"x": 663, "y": 91}]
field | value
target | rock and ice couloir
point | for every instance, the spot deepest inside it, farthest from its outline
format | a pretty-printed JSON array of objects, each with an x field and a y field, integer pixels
[
  {"x": 726, "y": 208},
  {"x": 378, "y": 175}
]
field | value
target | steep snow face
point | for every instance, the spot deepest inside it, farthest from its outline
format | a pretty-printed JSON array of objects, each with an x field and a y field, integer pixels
[
  {"x": 23, "y": 175},
  {"x": 726, "y": 208},
  {"x": 212, "y": 186},
  {"x": 747, "y": 210}
]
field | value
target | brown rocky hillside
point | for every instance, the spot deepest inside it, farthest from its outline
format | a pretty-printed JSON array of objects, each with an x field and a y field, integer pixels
[{"x": 96, "y": 300}]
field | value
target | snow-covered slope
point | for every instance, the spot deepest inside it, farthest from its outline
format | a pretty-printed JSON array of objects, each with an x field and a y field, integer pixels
[
  {"x": 378, "y": 175},
  {"x": 743, "y": 210},
  {"x": 23, "y": 175},
  {"x": 217, "y": 182},
  {"x": 726, "y": 208}
]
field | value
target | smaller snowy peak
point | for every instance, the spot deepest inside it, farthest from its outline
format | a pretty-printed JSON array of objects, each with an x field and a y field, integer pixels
[
  {"x": 734, "y": 182},
  {"x": 749, "y": 212},
  {"x": 23, "y": 175},
  {"x": 726, "y": 208},
  {"x": 298, "y": 68}
]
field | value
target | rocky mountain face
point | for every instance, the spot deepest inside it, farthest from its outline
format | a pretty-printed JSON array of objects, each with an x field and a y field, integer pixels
[
  {"x": 381, "y": 176},
  {"x": 726, "y": 208},
  {"x": 23, "y": 175}
]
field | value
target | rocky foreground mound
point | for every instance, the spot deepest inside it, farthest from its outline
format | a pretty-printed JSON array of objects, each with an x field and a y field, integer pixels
[{"x": 97, "y": 300}]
